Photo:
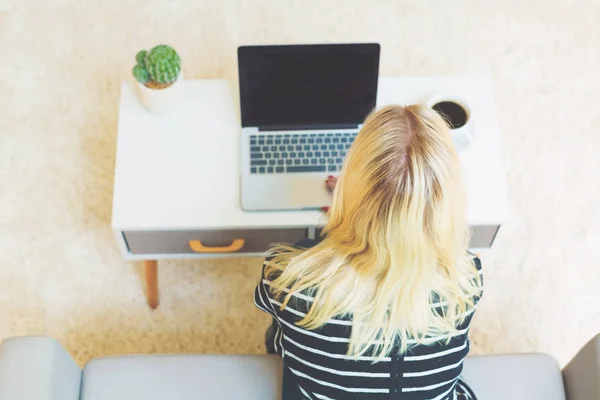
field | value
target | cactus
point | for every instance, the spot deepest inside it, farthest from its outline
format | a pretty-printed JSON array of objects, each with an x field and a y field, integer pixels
[
  {"x": 140, "y": 57},
  {"x": 158, "y": 68},
  {"x": 163, "y": 64},
  {"x": 141, "y": 74}
]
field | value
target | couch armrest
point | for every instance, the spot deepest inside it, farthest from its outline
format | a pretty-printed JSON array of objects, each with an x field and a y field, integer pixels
[
  {"x": 582, "y": 375},
  {"x": 37, "y": 368}
]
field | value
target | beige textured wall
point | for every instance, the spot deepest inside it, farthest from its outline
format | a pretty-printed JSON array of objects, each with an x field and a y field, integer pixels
[{"x": 60, "y": 67}]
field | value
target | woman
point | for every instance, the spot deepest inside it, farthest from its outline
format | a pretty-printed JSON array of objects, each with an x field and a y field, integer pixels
[{"x": 380, "y": 307}]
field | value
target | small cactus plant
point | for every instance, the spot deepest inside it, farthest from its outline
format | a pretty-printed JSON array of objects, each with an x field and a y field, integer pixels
[{"x": 157, "y": 68}]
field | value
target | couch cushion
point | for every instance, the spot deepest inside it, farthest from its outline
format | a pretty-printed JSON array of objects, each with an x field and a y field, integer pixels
[
  {"x": 514, "y": 377},
  {"x": 160, "y": 377}
]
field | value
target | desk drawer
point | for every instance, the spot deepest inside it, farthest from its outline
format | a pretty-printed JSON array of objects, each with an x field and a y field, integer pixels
[{"x": 209, "y": 241}]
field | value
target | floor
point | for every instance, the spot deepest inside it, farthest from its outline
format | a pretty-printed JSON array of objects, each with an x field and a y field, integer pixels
[{"x": 60, "y": 67}]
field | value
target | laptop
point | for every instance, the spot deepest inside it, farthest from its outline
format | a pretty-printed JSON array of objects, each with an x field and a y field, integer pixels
[{"x": 301, "y": 108}]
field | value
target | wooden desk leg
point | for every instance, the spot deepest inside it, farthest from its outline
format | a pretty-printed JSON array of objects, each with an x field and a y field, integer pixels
[{"x": 151, "y": 270}]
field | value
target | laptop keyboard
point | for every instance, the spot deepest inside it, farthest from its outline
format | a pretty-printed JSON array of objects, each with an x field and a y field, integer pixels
[{"x": 293, "y": 153}]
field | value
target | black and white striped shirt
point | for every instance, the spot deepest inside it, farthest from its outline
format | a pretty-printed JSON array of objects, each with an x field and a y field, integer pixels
[{"x": 323, "y": 371}]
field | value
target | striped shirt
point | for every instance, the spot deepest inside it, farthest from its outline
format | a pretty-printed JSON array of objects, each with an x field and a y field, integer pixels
[{"x": 318, "y": 359}]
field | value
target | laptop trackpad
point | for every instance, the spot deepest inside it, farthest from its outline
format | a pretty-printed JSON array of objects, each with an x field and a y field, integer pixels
[{"x": 307, "y": 192}]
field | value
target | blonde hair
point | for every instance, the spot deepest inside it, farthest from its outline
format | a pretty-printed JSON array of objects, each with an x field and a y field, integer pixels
[{"x": 396, "y": 240}]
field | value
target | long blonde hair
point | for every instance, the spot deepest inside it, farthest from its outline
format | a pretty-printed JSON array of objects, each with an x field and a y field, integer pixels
[{"x": 396, "y": 240}]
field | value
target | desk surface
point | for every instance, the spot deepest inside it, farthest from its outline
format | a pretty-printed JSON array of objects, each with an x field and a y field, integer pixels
[{"x": 181, "y": 171}]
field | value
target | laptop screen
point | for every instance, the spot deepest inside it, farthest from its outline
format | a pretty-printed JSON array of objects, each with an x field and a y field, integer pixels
[{"x": 307, "y": 86}]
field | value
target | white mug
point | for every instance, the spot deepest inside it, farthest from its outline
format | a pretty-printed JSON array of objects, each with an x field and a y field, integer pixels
[{"x": 461, "y": 135}]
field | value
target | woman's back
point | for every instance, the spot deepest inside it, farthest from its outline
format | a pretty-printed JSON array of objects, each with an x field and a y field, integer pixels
[
  {"x": 318, "y": 358},
  {"x": 381, "y": 306}
]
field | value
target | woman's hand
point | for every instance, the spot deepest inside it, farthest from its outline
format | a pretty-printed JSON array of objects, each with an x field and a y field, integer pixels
[{"x": 330, "y": 183}]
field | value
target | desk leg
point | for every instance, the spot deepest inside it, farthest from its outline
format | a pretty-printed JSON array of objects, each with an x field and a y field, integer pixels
[{"x": 151, "y": 270}]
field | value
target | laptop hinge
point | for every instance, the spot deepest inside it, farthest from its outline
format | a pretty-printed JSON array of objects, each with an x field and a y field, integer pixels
[{"x": 306, "y": 127}]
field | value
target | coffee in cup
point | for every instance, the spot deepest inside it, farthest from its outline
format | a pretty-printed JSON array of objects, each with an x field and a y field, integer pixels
[{"x": 457, "y": 115}]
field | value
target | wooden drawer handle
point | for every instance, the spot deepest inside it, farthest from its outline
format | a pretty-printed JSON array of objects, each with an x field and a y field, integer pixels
[{"x": 198, "y": 247}]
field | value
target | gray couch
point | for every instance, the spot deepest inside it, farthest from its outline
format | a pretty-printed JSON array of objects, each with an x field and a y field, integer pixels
[{"x": 39, "y": 368}]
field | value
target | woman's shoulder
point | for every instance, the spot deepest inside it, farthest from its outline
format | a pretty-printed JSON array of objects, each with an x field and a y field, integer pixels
[
  {"x": 476, "y": 262},
  {"x": 478, "y": 278},
  {"x": 478, "y": 266}
]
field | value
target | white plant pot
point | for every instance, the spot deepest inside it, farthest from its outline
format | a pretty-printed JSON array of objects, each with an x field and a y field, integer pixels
[{"x": 161, "y": 101}]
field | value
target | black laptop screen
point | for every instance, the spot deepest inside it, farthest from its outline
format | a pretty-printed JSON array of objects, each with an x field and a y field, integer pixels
[{"x": 306, "y": 86}]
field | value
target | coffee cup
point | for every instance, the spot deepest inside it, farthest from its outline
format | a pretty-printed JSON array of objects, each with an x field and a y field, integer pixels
[{"x": 457, "y": 114}]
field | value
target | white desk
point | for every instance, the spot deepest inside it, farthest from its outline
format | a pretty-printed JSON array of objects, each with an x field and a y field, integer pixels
[{"x": 177, "y": 176}]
